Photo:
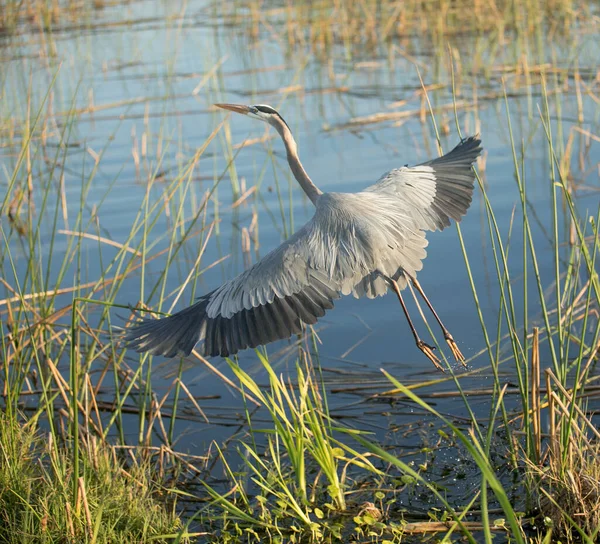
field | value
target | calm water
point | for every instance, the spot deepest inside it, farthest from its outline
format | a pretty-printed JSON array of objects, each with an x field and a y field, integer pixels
[{"x": 159, "y": 76}]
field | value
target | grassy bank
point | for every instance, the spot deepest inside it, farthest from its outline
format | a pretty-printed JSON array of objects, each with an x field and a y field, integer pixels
[{"x": 119, "y": 497}]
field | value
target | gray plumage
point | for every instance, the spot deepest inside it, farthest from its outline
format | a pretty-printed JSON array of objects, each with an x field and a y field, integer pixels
[{"x": 356, "y": 243}]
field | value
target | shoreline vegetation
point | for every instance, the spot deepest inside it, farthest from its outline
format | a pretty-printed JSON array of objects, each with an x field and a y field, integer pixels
[{"x": 90, "y": 434}]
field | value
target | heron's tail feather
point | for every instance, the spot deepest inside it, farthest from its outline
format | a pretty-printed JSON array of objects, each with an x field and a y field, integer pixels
[{"x": 170, "y": 336}]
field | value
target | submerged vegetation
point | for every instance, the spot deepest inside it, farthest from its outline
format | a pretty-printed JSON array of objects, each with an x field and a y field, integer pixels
[{"x": 98, "y": 444}]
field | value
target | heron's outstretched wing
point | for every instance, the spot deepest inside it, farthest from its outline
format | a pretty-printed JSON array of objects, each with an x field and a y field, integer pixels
[
  {"x": 269, "y": 301},
  {"x": 435, "y": 191},
  {"x": 417, "y": 199}
]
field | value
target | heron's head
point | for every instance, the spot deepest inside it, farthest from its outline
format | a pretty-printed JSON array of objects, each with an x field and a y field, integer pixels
[{"x": 260, "y": 111}]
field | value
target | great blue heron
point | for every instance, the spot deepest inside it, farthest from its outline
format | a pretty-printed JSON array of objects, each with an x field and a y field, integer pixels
[{"x": 360, "y": 243}]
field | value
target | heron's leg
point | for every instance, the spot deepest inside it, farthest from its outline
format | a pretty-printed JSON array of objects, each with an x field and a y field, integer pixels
[
  {"x": 425, "y": 348},
  {"x": 447, "y": 336}
]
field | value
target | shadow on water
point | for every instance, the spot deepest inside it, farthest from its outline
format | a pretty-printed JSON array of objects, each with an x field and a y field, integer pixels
[{"x": 131, "y": 179}]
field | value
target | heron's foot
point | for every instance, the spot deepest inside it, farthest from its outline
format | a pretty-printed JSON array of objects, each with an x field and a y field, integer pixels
[
  {"x": 454, "y": 348},
  {"x": 428, "y": 351}
]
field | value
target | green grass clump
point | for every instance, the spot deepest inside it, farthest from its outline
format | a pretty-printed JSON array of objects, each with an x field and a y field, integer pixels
[
  {"x": 296, "y": 484},
  {"x": 115, "y": 502}
]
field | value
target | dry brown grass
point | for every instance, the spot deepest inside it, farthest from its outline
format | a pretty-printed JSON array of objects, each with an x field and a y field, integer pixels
[
  {"x": 567, "y": 476},
  {"x": 322, "y": 24},
  {"x": 570, "y": 491},
  {"x": 44, "y": 14}
]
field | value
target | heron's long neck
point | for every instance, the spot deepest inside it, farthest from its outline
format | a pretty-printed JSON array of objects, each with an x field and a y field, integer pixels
[{"x": 311, "y": 190}]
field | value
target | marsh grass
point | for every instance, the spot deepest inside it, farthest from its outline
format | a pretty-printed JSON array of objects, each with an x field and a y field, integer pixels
[
  {"x": 24, "y": 16},
  {"x": 567, "y": 481},
  {"x": 117, "y": 499},
  {"x": 366, "y": 28},
  {"x": 301, "y": 474},
  {"x": 62, "y": 362},
  {"x": 82, "y": 416}
]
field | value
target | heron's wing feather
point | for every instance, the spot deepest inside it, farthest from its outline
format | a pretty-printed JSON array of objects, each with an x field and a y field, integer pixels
[
  {"x": 435, "y": 191},
  {"x": 285, "y": 271},
  {"x": 412, "y": 200},
  {"x": 269, "y": 301}
]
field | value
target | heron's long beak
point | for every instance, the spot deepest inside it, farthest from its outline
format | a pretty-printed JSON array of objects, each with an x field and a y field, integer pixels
[{"x": 237, "y": 108}]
